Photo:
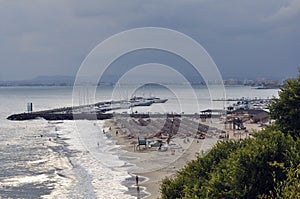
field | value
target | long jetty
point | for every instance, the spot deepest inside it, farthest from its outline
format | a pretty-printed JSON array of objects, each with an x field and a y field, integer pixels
[
  {"x": 98, "y": 112},
  {"x": 60, "y": 116},
  {"x": 95, "y": 111}
]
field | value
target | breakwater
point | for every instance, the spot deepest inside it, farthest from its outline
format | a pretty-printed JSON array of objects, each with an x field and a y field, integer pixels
[
  {"x": 99, "y": 111},
  {"x": 60, "y": 116},
  {"x": 95, "y": 111}
]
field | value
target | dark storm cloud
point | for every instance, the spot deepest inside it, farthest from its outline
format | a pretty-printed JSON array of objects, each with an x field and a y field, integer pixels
[{"x": 245, "y": 38}]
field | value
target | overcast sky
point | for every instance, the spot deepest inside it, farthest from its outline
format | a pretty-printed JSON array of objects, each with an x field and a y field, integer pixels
[{"x": 252, "y": 38}]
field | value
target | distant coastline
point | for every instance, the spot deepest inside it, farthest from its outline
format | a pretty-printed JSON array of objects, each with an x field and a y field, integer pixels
[{"x": 110, "y": 81}]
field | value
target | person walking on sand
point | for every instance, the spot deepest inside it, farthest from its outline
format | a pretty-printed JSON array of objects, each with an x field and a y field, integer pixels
[
  {"x": 137, "y": 180},
  {"x": 98, "y": 144},
  {"x": 138, "y": 192}
]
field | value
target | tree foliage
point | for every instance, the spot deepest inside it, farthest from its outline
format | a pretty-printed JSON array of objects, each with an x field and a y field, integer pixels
[
  {"x": 288, "y": 188},
  {"x": 286, "y": 109},
  {"x": 195, "y": 173},
  {"x": 266, "y": 166},
  {"x": 236, "y": 169}
]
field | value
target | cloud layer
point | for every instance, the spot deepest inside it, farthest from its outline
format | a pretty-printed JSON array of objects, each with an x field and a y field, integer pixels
[{"x": 245, "y": 38}]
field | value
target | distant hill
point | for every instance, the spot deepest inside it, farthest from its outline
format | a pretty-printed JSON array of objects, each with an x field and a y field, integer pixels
[
  {"x": 110, "y": 79},
  {"x": 57, "y": 80},
  {"x": 54, "y": 80}
]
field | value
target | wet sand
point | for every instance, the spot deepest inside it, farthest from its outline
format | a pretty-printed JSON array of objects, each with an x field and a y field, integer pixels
[
  {"x": 39, "y": 163},
  {"x": 156, "y": 165}
]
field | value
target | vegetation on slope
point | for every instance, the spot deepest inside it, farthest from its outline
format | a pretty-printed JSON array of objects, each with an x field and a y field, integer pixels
[{"x": 266, "y": 166}]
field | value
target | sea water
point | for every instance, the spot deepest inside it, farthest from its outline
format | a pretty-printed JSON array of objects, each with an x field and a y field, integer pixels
[{"x": 54, "y": 159}]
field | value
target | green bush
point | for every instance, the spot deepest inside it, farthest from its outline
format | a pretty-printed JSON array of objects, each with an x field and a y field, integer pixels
[
  {"x": 266, "y": 166},
  {"x": 236, "y": 169}
]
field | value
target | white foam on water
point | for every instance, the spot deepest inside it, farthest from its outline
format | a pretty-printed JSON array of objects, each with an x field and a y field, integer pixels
[
  {"x": 19, "y": 180},
  {"x": 100, "y": 162},
  {"x": 102, "y": 165}
]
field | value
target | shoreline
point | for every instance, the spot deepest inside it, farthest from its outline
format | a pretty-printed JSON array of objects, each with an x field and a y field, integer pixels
[
  {"x": 155, "y": 165},
  {"x": 81, "y": 180},
  {"x": 46, "y": 169},
  {"x": 163, "y": 164},
  {"x": 76, "y": 170}
]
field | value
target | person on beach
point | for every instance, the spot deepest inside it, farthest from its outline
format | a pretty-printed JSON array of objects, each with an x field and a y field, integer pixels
[
  {"x": 138, "y": 191},
  {"x": 98, "y": 144},
  {"x": 137, "y": 180},
  {"x": 160, "y": 145}
]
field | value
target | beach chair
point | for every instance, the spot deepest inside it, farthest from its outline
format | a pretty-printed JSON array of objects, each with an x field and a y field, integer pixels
[{"x": 141, "y": 143}]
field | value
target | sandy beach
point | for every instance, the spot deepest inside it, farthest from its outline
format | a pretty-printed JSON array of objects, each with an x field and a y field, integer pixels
[
  {"x": 70, "y": 169},
  {"x": 62, "y": 159},
  {"x": 155, "y": 165}
]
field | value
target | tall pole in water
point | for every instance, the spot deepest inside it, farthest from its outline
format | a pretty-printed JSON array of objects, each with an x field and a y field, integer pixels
[
  {"x": 87, "y": 96},
  {"x": 79, "y": 97},
  {"x": 29, "y": 107}
]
